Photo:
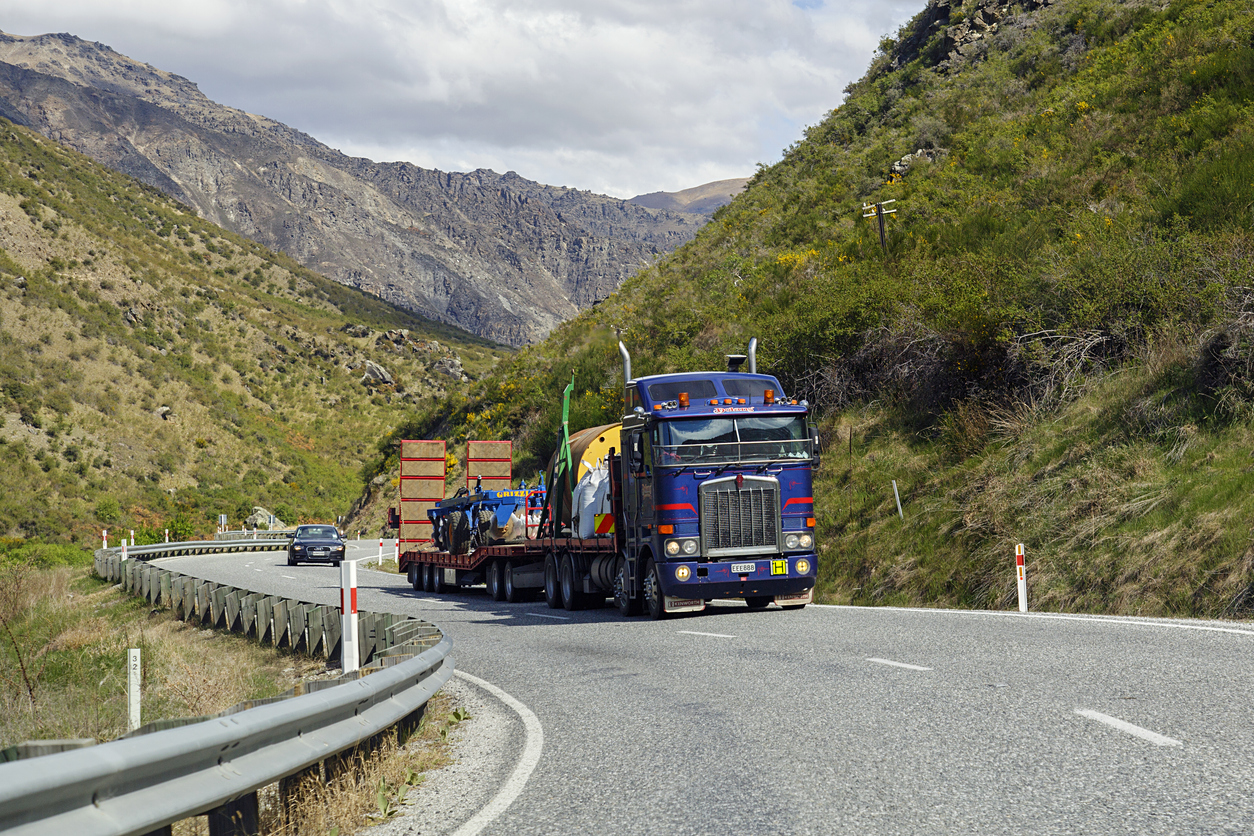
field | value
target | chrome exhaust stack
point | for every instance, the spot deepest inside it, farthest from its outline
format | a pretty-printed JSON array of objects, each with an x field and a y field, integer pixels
[{"x": 753, "y": 356}]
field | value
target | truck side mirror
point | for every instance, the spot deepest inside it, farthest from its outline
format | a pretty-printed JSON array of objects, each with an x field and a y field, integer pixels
[
  {"x": 814, "y": 445},
  {"x": 634, "y": 455}
]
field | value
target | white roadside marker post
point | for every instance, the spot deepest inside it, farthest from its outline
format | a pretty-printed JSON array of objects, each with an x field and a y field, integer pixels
[
  {"x": 133, "y": 678},
  {"x": 396, "y": 551},
  {"x": 132, "y": 536},
  {"x": 124, "y": 548},
  {"x": 1023, "y": 578},
  {"x": 348, "y": 616},
  {"x": 897, "y": 496},
  {"x": 380, "y": 549},
  {"x": 104, "y": 538},
  {"x": 167, "y": 535}
]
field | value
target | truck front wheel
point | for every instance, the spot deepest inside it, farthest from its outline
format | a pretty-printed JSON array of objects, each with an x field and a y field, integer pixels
[
  {"x": 552, "y": 585},
  {"x": 654, "y": 601}
]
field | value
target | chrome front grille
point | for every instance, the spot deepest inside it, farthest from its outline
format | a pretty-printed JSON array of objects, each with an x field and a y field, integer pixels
[{"x": 740, "y": 520}]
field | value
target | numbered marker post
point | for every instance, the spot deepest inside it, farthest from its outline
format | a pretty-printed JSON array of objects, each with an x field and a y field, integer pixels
[
  {"x": 348, "y": 616},
  {"x": 133, "y": 679},
  {"x": 1023, "y": 578}
]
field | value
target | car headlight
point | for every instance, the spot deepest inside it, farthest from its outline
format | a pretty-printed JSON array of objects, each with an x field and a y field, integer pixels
[
  {"x": 298, "y": 548},
  {"x": 791, "y": 541},
  {"x": 806, "y": 541}
]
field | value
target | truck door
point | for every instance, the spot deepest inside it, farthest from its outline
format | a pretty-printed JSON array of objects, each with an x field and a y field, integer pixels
[{"x": 639, "y": 493}]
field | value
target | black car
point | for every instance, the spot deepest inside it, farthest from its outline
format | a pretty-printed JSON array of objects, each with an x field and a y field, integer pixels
[{"x": 316, "y": 544}]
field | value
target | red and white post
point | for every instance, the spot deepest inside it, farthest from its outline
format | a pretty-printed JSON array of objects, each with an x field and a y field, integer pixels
[
  {"x": 1023, "y": 578},
  {"x": 348, "y": 616},
  {"x": 380, "y": 549},
  {"x": 124, "y": 548},
  {"x": 104, "y": 538}
]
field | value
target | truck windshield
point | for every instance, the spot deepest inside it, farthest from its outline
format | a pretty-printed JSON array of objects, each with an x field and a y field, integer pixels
[{"x": 753, "y": 438}]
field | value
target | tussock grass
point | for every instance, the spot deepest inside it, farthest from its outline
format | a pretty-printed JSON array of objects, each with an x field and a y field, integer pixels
[
  {"x": 1129, "y": 499},
  {"x": 63, "y": 651}
]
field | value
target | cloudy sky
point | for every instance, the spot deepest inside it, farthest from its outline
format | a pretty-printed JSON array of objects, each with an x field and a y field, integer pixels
[{"x": 621, "y": 97}]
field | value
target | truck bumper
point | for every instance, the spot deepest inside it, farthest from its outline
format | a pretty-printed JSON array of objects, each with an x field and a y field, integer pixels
[{"x": 713, "y": 581}]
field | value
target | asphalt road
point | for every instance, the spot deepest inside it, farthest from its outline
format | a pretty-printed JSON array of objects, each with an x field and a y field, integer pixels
[{"x": 842, "y": 719}]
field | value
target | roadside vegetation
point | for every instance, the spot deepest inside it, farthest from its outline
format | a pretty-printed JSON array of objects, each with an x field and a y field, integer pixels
[
  {"x": 1052, "y": 344},
  {"x": 159, "y": 371}
]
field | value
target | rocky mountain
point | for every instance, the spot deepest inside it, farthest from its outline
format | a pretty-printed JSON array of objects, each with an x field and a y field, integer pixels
[
  {"x": 700, "y": 199},
  {"x": 496, "y": 254}
]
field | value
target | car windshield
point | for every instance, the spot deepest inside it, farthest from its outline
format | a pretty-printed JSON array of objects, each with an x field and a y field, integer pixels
[
  {"x": 730, "y": 440},
  {"x": 314, "y": 532}
]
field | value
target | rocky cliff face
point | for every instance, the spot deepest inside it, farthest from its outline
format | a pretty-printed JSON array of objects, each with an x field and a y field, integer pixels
[{"x": 498, "y": 255}]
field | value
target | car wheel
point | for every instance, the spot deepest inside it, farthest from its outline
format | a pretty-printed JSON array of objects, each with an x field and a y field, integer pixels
[
  {"x": 627, "y": 605},
  {"x": 758, "y": 602},
  {"x": 291, "y": 561},
  {"x": 552, "y": 585},
  {"x": 654, "y": 600}
]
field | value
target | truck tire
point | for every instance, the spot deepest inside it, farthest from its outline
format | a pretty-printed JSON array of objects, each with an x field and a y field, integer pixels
[
  {"x": 552, "y": 584},
  {"x": 437, "y": 580},
  {"x": 513, "y": 594},
  {"x": 458, "y": 532},
  {"x": 412, "y": 576},
  {"x": 627, "y": 605},
  {"x": 496, "y": 583},
  {"x": 654, "y": 600},
  {"x": 758, "y": 602},
  {"x": 572, "y": 596}
]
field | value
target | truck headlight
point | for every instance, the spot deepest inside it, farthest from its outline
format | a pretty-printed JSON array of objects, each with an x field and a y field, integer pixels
[
  {"x": 690, "y": 547},
  {"x": 672, "y": 547},
  {"x": 806, "y": 541},
  {"x": 791, "y": 542}
]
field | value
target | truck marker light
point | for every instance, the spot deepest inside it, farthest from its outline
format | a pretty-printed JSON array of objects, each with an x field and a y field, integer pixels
[
  {"x": 657, "y": 407},
  {"x": 682, "y": 573},
  {"x": 740, "y": 400},
  {"x": 714, "y": 402},
  {"x": 803, "y": 566},
  {"x": 809, "y": 522},
  {"x": 727, "y": 401},
  {"x": 666, "y": 529}
]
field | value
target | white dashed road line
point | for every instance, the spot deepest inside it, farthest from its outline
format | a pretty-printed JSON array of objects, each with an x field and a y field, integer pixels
[
  {"x": 546, "y": 615},
  {"x": 711, "y": 635},
  {"x": 289, "y": 577},
  {"x": 1124, "y": 726},
  {"x": 897, "y": 664}
]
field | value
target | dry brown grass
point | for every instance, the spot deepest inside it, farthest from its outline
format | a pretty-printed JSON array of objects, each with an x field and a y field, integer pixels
[{"x": 359, "y": 789}]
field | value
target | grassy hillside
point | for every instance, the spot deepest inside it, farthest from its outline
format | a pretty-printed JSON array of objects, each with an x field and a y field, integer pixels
[
  {"x": 1052, "y": 346},
  {"x": 159, "y": 371}
]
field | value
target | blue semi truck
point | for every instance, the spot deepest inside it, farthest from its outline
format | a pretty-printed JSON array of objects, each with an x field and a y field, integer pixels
[{"x": 709, "y": 498}]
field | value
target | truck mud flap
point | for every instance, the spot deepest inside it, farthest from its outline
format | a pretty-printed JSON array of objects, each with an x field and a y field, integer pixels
[
  {"x": 799, "y": 599},
  {"x": 673, "y": 604}
]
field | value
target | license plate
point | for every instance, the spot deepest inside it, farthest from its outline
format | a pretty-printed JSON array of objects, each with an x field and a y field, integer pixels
[{"x": 744, "y": 568}]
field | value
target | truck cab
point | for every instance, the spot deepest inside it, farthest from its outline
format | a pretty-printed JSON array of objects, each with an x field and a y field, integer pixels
[{"x": 717, "y": 498}]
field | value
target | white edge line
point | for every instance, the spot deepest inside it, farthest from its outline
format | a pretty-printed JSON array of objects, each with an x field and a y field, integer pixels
[
  {"x": 896, "y": 664},
  {"x": 711, "y": 635},
  {"x": 289, "y": 577},
  {"x": 1091, "y": 619},
  {"x": 526, "y": 764},
  {"x": 545, "y": 615},
  {"x": 1124, "y": 726}
]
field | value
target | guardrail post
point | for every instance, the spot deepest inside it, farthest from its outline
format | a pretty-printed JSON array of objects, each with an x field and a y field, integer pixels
[
  {"x": 236, "y": 818},
  {"x": 232, "y": 609},
  {"x": 166, "y": 590}
]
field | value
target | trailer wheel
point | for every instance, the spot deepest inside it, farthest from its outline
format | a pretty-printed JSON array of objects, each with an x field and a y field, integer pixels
[
  {"x": 496, "y": 585},
  {"x": 437, "y": 580},
  {"x": 572, "y": 595},
  {"x": 758, "y": 602},
  {"x": 412, "y": 575},
  {"x": 627, "y": 605},
  {"x": 513, "y": 594},
  {"x": 654, "y": 601},
  {"x": 552, "y": 585}
]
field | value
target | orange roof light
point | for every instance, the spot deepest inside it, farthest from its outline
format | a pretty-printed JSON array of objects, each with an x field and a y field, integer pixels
[
  {"x": 727, "y": 400},
  {"x": 683, "y": 400},
  {"x": 768, "y": 396},
  {"x": 657, "y": 407},
  {"x": 740, "y": 400}
]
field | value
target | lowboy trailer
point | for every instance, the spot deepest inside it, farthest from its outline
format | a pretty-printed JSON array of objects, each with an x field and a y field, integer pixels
[{"x": 710, "y": 498}]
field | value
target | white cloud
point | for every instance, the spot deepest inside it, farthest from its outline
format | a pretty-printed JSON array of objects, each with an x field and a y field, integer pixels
[{"x": 617, "y": 96}]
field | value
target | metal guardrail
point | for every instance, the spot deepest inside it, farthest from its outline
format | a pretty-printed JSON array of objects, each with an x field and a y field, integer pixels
[{"x": 158, "y": 775}]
